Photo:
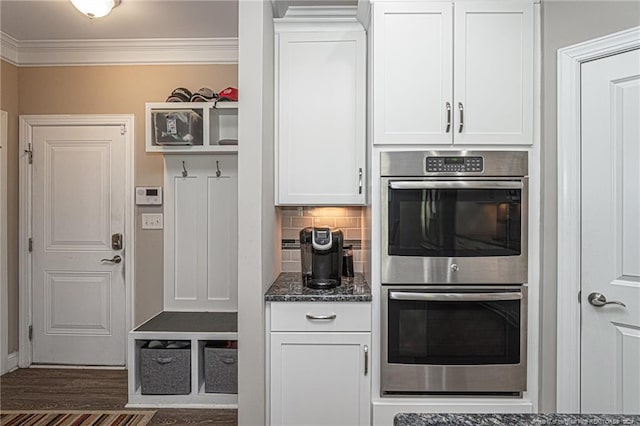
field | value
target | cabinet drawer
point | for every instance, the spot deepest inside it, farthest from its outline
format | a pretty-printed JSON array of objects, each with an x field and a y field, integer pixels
[{"x": 344, "y": 316}]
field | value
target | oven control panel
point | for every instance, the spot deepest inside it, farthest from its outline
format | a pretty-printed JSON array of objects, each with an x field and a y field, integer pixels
[{"x": 454, "y": 164}]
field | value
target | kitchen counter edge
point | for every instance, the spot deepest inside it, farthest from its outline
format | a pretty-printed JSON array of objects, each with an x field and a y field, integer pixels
[
  {"x": 288, "y": 288},
  {"x": 432, "y": 419}
]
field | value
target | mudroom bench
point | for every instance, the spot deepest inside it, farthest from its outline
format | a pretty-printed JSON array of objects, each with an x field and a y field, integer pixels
[{"x": 184, "y": 360}]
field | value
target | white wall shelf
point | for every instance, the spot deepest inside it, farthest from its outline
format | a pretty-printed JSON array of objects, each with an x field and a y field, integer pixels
[{"x": 191, "y": 127}]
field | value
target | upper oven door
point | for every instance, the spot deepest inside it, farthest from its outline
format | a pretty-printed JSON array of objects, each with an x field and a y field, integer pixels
[{"x": 454, "y": 231}]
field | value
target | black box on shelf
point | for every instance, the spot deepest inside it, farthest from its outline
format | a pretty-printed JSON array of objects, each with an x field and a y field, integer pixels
[
  {"x": 220, "y": 369},
  {"x": 165, "y": 368}
]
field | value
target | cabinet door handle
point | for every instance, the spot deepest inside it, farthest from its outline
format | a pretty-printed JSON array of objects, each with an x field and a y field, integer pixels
[
  {"x": 448, "y": 105},
  {"x": 360, "y": 181},
  {"x": 461, "y": 108},
  {"x": 366, "y": 360},
  {"x": 321, "y": 317}
]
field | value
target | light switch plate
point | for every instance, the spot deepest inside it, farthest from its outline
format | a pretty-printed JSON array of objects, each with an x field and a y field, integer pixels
[{"x": 152, "y": 221}]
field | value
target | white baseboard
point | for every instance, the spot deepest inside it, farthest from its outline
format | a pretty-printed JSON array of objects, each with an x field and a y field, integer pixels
[{"x": 12, "y": 362}]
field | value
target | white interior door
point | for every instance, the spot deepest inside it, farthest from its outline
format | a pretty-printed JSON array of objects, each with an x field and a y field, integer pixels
[
  {"x": 78, "y": 205},
  {"x": 610, "y": 378}
]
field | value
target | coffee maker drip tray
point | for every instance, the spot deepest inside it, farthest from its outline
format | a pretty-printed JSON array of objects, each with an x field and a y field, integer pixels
[{"x": 321, "y": 283}]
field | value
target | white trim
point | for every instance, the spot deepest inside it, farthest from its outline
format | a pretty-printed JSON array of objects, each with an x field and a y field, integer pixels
[
  {"x": 570, "y": 60},
  {"x": 8, "y": 48},
  {"x": 4, "y": 278},
  {"x": 27, "y": 123},
  {"x": 12, "y": 361},
  {"x": 119, "y": 51}
]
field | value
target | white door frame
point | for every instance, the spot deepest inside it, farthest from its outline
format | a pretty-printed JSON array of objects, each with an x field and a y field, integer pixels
[
  {"x": 27, "y": 124},
  {"x": 570, "y": 60},
  {"x": 4, "y": 278}
]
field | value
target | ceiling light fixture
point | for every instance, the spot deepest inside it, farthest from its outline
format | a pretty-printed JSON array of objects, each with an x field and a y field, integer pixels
[{"x": 95, "y": 8}]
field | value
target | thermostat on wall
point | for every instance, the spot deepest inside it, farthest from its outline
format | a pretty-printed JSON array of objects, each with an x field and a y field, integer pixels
[{"x": 148, "y": 195}]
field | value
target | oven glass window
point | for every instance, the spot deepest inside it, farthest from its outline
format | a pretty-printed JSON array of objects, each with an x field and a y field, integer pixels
[
  {"x": 454, "y": 333},
  {"x": 454, "y": 222}
]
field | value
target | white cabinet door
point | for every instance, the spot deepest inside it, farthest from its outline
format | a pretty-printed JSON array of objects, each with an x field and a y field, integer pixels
[
  {"x": 320, "y": 379},
  {"x": 201, "y": 233},
  {"x": 493, "y": 82},
  {"x": 412, "y": 72},
  {"x": 320, "y": 118}
]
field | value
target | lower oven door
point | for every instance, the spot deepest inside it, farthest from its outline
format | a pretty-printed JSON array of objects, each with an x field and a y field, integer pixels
[{"x": 454, "y": 339}]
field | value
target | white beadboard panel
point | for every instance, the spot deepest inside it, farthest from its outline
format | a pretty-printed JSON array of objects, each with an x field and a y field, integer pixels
[
  {"x": 187, "y": 191},
  {"x": 223, "y": 238},
  {"x": 201, "y": 233}
]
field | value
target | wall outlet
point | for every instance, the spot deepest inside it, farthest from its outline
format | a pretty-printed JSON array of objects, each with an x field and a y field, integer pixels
[{"x": 152, "y": 221}]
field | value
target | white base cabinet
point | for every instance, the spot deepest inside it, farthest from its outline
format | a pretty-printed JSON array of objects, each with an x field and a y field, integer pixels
[{"x": 321, "y": 373}]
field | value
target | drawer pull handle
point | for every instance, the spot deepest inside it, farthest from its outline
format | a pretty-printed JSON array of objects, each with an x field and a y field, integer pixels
[
  {"x": 321, "y": 317},
  {"x": 228, "y": 360}
]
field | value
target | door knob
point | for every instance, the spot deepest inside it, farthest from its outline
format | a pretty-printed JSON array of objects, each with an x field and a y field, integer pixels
[
  {"x": 116, "y": 259},
  {"x": 598, "y": 300}
]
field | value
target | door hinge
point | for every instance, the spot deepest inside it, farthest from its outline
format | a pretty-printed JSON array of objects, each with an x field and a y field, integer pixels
[
  {"x": 123, "y": 129},
  {"x": 579, "y": 297},
  {"x": 30, "y": 332},
  {"x": 30, "y": 153},
  {"x": 30, "y": 245}
]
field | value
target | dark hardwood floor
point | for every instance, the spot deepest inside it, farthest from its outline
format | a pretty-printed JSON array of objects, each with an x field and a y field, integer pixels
[{"x": 77, "y": 389}]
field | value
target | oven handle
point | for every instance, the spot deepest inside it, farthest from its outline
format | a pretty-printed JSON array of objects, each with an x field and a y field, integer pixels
[
  {"x": 455, "y": 184},
  {"x": 454, "y": 297}
]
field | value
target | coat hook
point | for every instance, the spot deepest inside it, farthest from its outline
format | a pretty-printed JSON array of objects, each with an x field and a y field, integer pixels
[
  {"x": 218, "y": 172},
  {"x": 184, "y": 170}
]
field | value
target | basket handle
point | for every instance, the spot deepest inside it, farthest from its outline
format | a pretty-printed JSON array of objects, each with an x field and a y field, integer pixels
[
  {"x": 164, "y": 360},
  {"x": 228, "y": 360}
]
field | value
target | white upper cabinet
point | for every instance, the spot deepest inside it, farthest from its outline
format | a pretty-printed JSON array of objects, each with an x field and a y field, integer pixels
[
  {"x": 493, "y": 77},
  {"x": 320, "y": 117},
  {"x": 453, "y": 72},
  {"x": 412, "y": 72}
]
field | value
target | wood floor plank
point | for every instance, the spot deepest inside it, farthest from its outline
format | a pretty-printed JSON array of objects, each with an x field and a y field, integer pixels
[{"x": 78, "y": 389}]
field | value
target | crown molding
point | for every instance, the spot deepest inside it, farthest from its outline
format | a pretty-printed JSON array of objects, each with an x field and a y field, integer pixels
[
  {"x": 8, "y": 48},
  {"x": 119, "y": 52}
]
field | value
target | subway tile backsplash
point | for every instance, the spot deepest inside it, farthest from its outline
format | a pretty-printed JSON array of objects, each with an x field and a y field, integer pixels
[{"x": 348, "y": 219}]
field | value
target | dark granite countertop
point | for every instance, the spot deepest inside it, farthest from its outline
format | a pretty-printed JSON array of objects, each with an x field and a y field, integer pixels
[
  {"x": 288, "y": 288},
  {"x": 414, "y": 419}
]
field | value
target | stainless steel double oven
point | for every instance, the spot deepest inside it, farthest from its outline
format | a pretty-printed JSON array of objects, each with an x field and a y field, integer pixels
[{"x": 454, "y": 272}]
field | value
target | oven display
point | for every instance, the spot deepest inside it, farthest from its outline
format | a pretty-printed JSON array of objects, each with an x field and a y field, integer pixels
[{"x": 454, "y": 164}]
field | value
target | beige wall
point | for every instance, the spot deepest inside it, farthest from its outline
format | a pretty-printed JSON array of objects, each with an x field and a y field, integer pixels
[
  {"x": 9, "y": 103},
  {"x": 564, "y": 23},
  {"x": 117, "y": 90}
]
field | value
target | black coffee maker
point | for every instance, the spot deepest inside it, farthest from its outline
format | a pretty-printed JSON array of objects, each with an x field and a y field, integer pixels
[{"x": 321, "y": 257}]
